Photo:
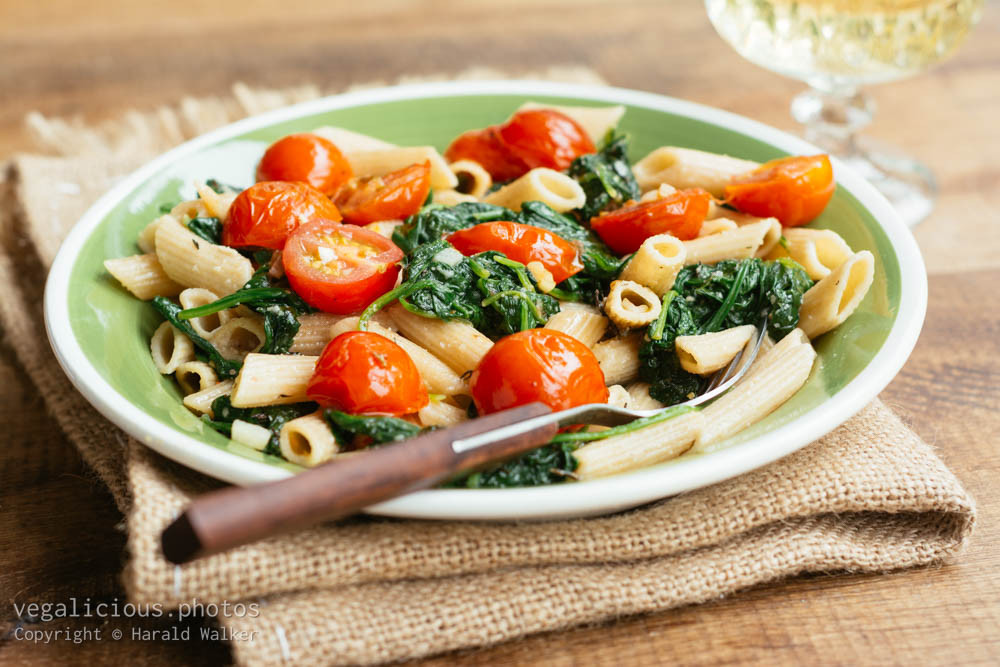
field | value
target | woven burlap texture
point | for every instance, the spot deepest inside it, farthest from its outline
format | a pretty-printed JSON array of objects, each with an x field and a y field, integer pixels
[{"x": 871, "y": 496}]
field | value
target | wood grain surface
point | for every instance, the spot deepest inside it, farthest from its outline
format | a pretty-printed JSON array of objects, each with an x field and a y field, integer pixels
[{"x": 60, "y": 533}]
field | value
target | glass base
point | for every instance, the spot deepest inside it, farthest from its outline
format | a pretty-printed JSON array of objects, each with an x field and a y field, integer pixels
[{"x": 907, "y": 184}]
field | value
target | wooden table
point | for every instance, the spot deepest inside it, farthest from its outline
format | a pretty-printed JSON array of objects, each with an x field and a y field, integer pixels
[{"x": 59, "y": 532}]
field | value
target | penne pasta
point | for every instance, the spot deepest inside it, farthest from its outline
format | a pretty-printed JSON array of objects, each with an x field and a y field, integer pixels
[
  {"x": 147, "y": 237},
  {"x": 656, "y": 263},
  {"x": 585, "y": 323},
  {"x": 217, "y": 205},
  {"x": 349, "y": 141},
  {"x": 458, "y": 344},
  {"x": 451, "y": 197},
  {"x": 170, "y": 348},
  {"x": 441, "y": 414},
  {"x": 381, "y": 161},
  {"x": 644, "y": 447},
  {"x": 272, "y": 379},
  {"x": 618, "y": 396},
  {"x": 194, "y": 376},
  {"x": 189, "y": 210},
  {"x": 710, "y": 352},
  {"x": 239, "y": 337},
  {"x": 251, "y": 435},
  {"x": 473, "y": 180},
  {"x": 639, "y": 398},
  {"x": 143, "y": 276},
  {"x": 201, "y": 401},
  {"x": 205, "y": 325},
  {"x": 194, "y": 262},
  {"x": 716, "y": 226},
  {"x": 631, "y": 305},
  {"x": 548, "y": 186},
  {"x": 619, "y": 358},
  {"x": 819, "y": 251},
  {"x": 687, "y": 168},
  {"x": 307, "y": 441},
  {"x": 832, "y": 300},
  {"x": 315, "y": 331},
  {"x": 737, "y": 243}
]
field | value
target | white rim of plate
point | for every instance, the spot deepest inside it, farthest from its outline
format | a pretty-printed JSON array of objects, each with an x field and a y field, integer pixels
[{"x": 545, "y": 502}]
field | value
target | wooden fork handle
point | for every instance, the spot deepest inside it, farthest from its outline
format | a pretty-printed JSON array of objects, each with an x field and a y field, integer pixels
[{"x": 233, "y": 516}]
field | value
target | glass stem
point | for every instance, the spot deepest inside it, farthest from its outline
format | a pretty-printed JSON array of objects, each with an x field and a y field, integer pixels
[{"x": 832, "y": 117}]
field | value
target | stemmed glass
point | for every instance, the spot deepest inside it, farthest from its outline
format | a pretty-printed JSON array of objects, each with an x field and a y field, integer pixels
[{"x": 837, "y": 46}]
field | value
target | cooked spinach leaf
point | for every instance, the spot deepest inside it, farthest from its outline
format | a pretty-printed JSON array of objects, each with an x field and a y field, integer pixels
[
  {"x": 222, "y": 188},
  {"x": 225, "y": 368},
  {"x": 280, "y": 307},
  {"x": 435, "y": 221},
  {"x": 708, "y": 298},
  {"x": 550, "y": 464},
  {"x": 209, "y": 229},
  {"x": 605, "y": 176},
  {"x": 346, "y": 427},
  {"x": 271, "y": 417}
]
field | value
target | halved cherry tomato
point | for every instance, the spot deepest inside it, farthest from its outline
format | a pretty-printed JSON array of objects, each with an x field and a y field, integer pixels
[
  {"x": 395, "y": 196},
  {"x": 484, "y": 146},
  {"x": 679, "y": 213},
  {"x": 266, "y": 213},
  {"x": 522, "y": 243},
  {"x": 305, "y": 158},
  {"x": 545, "y": 138},
  {"x": 792, "y": 189},
  {"x": 537, "y": 365},
  {"x": 362, "y": 372},
  {"x": 531, "y": 138},
  {"x": 340, "y": 268}
]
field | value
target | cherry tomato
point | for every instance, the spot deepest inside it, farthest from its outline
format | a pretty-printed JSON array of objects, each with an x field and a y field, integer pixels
[
  {"x": 545, "y": 138},
  {"x": 522, "y": 243},
  {"x": 305, "y": 158},
  {"x": 395, "y": 196},
  {"x": 679, "y": 213},
  {"x": 537, "y": 365},
  {"x": 340, "y": 268},
  {"x": 485, "y": 147},
  {"x": 793, "y": 189},
  {"x": 362, "y": 372},
  {"x": 266, "y": 213}
]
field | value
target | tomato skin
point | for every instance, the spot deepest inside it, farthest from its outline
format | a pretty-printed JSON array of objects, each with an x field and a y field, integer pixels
[
  {"x": 305, "y": 158},
  {"x": 522, "y": 243},
  {"x": 484, "y": 146},
  {"x": 395, "y": 196},
  {"x": 679, "y": 213},
  {"x": 792, "y": 189},
  {"x": 545, "y": 138},
  {"x": 537, "y": 365},
  {"x": 365, "y": 266},
  {"x": 265, "y": 214},
  {"x": 362, "y": 372}
]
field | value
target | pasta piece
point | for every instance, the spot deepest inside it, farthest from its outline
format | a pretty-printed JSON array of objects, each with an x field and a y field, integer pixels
[
  {"x": 794, "y": 338},
  {"x": 205, "y": 325},
  {"x": 548, "y": 186},
  {"x": 458, "y": 344},
  {"x": 689, "y": 168},
  {"x": 384, "y": 227},
  {"x": 473, "y": 180},
  {"x": 716, "y": 226},
  {"x": 189, "y": 210},
  {"x": 618, "y": 396},
  {"x": 251, "y": 435},
  {"x": 619, "y": 358},
  {"x": 314, "y": 333},
  {"x": 201, "y": 401},
  {"x": 439, "y": 413},
  {"x": 239, "y": 337},
  {"x": 656, "y": 263},
  {"x": 147, "y": 237},
  {"x": 307, "y": 441},
  {"x": 143, "y": 276},
  {"x": 272, "y": 379},
  {"x": 194, "y": 376},
  {"x": 664, "y": 190},
  {"x": 832, "y": 300},
  {"x": 644, "y": 447},
  {"x": 217, "y": 205},
  {"x": 381, "y": 161},
  {"x": 451, "y": 197},
  {"x": 595, "y": 121},
  {"x": 716, "y": 211},
  {"x": 772, "y": 237},
  {"x": 170, "y": 348},
  {"x": 349, "y": 141},
  {"x": 631, "y": 305},
  {"x": 735, "y": 244},
  {"x": 758, "y": 395},
  {"x": 819, "y": 251},
  {"x": 194, "y": 262},
  {"x": 542, "y": 276},
  {"x": 639, "y": 398},
  {"x": 709, "y": 352},
  {"x": 585, "y": 323}
]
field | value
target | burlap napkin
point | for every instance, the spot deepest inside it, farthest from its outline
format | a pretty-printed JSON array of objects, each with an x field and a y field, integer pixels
[{"x": 869, "y": 497}]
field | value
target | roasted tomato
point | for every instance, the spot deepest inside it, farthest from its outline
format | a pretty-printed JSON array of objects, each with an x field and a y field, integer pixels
[
  {"x": 680, "y": 213},
  {"x": 522, "y": 243},
  {"x": 545, "y": 138},
  {"x": 395, "y": 196},
  {"x": 485, "y": 147},
  {"x": 792, "y": 189},
  {"x": 531, "y": 138},
  {"x": 305, "y": 158},
  {"x": 537, "y": 365},
  {"x": 340, "y": 268},
  {"x": 364, "y": 373},
  {"x": 266, "y": 213}
]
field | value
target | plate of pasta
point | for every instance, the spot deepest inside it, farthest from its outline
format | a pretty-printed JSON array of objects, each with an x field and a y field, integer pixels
[{"x": 350, "y": 272}]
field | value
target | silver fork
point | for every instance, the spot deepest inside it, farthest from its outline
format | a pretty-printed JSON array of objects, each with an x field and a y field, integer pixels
[{"x": 233, "y": 516}]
